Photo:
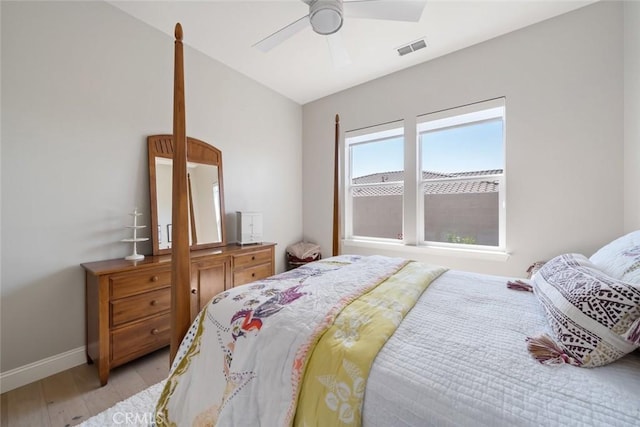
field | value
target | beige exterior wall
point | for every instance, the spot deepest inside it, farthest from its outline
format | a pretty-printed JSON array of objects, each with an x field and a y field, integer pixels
[
  {"x": 378, "y": 216},
  {"x": 468, "y": 216}
]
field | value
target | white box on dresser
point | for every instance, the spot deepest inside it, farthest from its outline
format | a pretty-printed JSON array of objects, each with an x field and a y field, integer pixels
[{"x": 249, "y": 227}]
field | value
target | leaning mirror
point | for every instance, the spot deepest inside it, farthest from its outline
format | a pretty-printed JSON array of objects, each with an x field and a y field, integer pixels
[{"x": 205, "y": 195}]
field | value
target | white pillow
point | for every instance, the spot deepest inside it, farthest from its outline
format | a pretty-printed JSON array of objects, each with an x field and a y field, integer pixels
[{"x": 621, "y": 258}]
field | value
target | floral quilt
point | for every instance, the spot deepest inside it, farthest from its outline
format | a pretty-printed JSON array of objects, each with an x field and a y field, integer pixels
[{"x": 244, "y": 357}]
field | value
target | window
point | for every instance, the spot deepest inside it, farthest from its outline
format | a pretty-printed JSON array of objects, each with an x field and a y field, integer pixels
[
  {"x": 461, "y": 182},
  {"x": 437, "y": 181},
  {"x": 375, "y": 185}
]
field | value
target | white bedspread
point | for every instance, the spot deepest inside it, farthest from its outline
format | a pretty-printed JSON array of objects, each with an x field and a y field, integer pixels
[{"x": 460, "y": 358}]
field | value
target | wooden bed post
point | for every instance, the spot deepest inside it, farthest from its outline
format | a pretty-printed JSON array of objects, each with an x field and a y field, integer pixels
[
  {"x": 180, "y": 259},
  {"x": 336, "y": 189}
]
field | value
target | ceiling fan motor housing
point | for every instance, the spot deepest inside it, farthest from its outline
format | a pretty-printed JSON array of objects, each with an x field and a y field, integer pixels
[{"x": 326, "y": 16}]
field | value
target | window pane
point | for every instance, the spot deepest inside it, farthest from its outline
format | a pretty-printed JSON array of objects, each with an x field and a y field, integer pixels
[
  {"x": 464, "y": 148},
  {"x": 377, "y": 211},
  {"x": 458, "y": 150},
  {"x": 465, "y": 212},
  {"x": 378, "y": 160}
]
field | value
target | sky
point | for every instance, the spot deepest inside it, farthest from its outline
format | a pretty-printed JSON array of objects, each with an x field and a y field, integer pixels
[{"x": 460, "y": 149}]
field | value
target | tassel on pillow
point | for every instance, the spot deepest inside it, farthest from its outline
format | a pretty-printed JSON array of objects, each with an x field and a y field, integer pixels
[
  {"x": 519, "y": 285},
  {"x": 547, "y": 352},
  {"x": 634, "y": 333},
  {"x": 533, "y": 268}
]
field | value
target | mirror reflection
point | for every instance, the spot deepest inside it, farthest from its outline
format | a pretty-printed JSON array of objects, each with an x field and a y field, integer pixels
[
  {"x": 205, "y": 193},
  {"x": 204, "y": 203}
]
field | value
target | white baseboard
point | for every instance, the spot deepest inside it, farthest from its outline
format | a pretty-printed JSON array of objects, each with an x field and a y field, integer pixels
[{"x": 35, "y": 371}]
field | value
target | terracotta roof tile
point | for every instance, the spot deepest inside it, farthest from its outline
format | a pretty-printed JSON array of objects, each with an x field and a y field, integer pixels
[{"x": 446, "y": 187}]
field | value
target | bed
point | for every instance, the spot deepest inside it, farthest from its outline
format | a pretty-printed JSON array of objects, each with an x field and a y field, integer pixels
[{"x": 382, "y": 341}]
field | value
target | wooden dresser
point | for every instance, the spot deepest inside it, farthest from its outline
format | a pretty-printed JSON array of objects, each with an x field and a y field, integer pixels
[{"x": 128, "y": 303}]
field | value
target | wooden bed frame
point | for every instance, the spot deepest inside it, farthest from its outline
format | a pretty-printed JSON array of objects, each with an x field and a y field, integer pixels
[
  {"x": 181, "y": 262},
  {"x": 180, "y": 258}
]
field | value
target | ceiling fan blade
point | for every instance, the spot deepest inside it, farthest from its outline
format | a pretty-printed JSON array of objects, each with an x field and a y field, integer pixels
[
  {"x": 269, "y": 42},
  {"x": 393, "y": 10},
  {"x": 339, "y": 54}
]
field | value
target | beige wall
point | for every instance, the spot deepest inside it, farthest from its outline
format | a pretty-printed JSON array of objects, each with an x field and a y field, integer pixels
[
  {"x": 631, "y": 115},
  {"x": 562, "y": 79},
  {"x": 83, "y": 84}
]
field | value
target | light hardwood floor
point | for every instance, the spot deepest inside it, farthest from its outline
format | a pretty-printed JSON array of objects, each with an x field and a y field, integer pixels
[{"x": 71, "y": 397}]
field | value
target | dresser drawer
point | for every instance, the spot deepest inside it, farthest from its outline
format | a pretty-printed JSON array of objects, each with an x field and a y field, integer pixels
[
  {"x": 253, "y": 258},
  {"x": 136, "y": 307},
  {"x": 250, "y": 274},
  {"x": 132, "y": 284},
  {"x": 140, "y": 338}
]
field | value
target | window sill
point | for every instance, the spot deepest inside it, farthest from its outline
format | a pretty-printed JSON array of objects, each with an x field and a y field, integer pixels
[{"x": 408, "y": 250}]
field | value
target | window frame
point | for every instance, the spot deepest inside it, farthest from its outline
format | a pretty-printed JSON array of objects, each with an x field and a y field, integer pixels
[
  {"x": 413, "y": 243},
  {"x": 454, "y": 118},
  {"x": 370, "y": 134}
]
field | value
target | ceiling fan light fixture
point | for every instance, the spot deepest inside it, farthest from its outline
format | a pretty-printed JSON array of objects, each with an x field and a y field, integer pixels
[{"x": 326, "y": 16}]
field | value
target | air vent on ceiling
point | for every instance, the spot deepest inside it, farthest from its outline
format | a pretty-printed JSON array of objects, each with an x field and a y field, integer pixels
[{"x": 412, "y": 47}]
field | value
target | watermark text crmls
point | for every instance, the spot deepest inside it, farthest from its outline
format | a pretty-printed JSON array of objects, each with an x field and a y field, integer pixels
[{"x": 134, "y": 418}]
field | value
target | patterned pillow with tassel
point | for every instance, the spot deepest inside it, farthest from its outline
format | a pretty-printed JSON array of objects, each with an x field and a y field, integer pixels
[{"x": 594, "y": 318}]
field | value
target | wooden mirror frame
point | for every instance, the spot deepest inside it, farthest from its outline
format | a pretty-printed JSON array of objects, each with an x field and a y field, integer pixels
[{"x": 197, "y": 152}]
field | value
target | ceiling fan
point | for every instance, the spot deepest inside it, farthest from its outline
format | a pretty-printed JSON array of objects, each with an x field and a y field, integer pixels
[{"x": 327, "y": 16}]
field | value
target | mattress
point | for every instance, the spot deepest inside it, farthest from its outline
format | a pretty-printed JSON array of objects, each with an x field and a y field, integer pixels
[{"x": 460, "y": 358}]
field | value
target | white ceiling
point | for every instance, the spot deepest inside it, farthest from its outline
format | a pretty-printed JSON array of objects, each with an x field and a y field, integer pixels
[{"x": 301, "y": 68}]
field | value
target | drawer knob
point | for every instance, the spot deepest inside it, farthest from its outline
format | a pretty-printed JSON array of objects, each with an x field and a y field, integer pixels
[
  {"x": 155, "y": 331},
  {"x": 194, "y": 291},
  {"x": 253, "y": 274},
  {"x": 154, "y": 279},
  {"x": 153, "y": 302},
  {"x": 253, "y": 258}
]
